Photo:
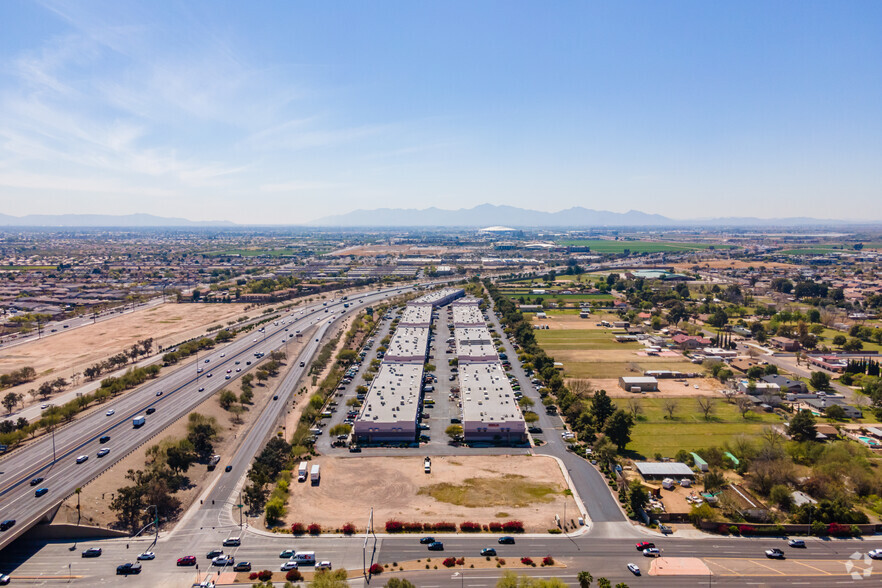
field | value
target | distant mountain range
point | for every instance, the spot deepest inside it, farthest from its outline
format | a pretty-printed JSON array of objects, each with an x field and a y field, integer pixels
[
  {"x": 488, "y": 214},
  {"x": 103, "y": 220}
]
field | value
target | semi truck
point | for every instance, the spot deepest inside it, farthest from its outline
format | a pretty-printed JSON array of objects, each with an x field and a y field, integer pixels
[
  {"x": 315, "y": 475},
  {"x": 302, "y": 471},
  {"x": 139, "y": 421}
]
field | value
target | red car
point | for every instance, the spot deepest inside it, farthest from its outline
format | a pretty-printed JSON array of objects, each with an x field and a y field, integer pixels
[
  {"x": 644, "y": 545},
  {"x": 187, "y": 560}
]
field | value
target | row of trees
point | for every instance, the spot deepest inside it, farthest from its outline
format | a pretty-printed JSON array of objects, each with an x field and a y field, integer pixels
[{"x": 17, "y": 377}]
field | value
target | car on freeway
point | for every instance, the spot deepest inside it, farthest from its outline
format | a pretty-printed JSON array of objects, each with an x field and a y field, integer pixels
[
  {"x": 44, "y": 406},
  {"x": 436, "y": 546},
  {"x": 506, "y": 540},
  {"x": 287, "y": 553},
  {"x": 289, "y": 565},
  {"x": 227, "y": 377},
  {"x": 128, "y": 568},
  {"x": 275, "y": 397},
  {"x": 199, "y": 370},
  {"x": 36, "y": 481},
  {"x": 223, "y": 354},
  {"x": 488, "y": 551},
  {"x": 103, "y": 452},
  {"x": 632, "y": 567},
  {"x": 323, "y": 565},
  {"x": 4, "y": 579},
  {"x": 652, "y": 552},
  {"x": 223, "y": 561},
  {"x": 207, "y": 360},
  {"x": 238, "y": 362},
  {"x": 102, "y": 440},
  {"x": 187, "y": 560},
  {"x": 146, "y": 555},
  {"x": 110, "y": 412},
  {"x": 229, "y": 468},
  {"x": 82, "y": 458},
  {"x": 214, "y": 553},
  {"x": 644, "y": 545},
  {"x": 7, "y": 524},
  {"x": 875, "y": 554},
  {"x": 238, "y": 370},
  {"x": 796, "y": 543},
  {"x": 242, "y": 566},
  {"x": 247, "y": 363},
  {"x": 774, "y": 553},
  {"x": 208, "y": 375},
  {"x": 229, "y": 371},
  {"x": 232, "y": 542},
  {"x": 202, "y": 389},
  {"x": 150, "y": 410},
  {"x": 92, "y": 552},
  {"x": 254, "y": 340},
  {"x": 427, "y": 540},
  {"x": 40, "y": 492},
  {"x": 159, "y": 393}
]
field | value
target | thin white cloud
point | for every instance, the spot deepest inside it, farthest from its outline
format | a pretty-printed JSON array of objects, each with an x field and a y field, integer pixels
[{"x": 302, "y": 186}]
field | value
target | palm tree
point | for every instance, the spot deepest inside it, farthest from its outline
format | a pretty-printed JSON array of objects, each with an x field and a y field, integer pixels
[{"x": 585, "y": 579}]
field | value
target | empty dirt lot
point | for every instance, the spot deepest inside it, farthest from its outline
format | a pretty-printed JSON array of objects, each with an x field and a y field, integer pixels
[
  {"x": 667, "y": 388},
  {"x": 524, "y": 488},
  {"x": 65, "y": 353}
]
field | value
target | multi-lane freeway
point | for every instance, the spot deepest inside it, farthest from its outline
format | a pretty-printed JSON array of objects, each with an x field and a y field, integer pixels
[{"x": 54, "y": 458}]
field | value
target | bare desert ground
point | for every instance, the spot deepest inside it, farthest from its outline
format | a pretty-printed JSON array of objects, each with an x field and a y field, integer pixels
[
  {"x": 66, "y": 353},
  {"x": 667, "y": 388},
  {"x": 392, "y": 487}
]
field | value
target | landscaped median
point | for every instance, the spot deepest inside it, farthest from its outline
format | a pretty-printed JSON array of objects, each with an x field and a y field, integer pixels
[{"x": 429, "y": 563}]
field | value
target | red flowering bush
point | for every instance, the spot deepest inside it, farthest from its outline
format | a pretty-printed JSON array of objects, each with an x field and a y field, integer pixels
[
  {"x": 375, "y": 569},
  {"x": 547, "y": 561},
  {"x": 264, "y": 575},
  {"x": 348, "y": 529},
  {"x": 513, "y": 527},
  {"x": 470, "y": 527},
  {"x": 394, "y": 526},
  {"x": 449, "y": 562},
  {"x": 527, "y": 561},
  {"x": 252, "y": 576},
  {"x": 298, "y": 529},
  {"x": 293, "y": 576},
  {"x": 314, "y": 529}
]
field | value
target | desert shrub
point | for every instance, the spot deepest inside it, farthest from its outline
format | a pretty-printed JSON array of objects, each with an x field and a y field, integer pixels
[
  {"x": 547, "y": 561},
  {"x": 460, "y": 561},
  {"x": 449, "y": 562},
  {"x": 513, "y": 527},
  {"x": 348, "y": 529},
  {"x": 527, "y": 561},
  {"x": 294, "y": 576},
  {"x": 264, "y": 575},
  {"x": 375, "y": 569},
  {"x": 252, "y": 576}
]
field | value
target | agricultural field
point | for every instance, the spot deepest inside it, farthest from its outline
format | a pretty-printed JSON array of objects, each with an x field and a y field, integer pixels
[
  {"x": 254, "y": 252},
  {"x": 608, "y": 246},
  {"x": 654, "y": 433},
  {"x": 812, "y": 250},
  {"x": 584, "y": 339}
]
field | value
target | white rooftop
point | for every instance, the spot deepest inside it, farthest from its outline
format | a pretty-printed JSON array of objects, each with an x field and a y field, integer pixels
[
  {"x": 416, "y": 315},
  {"x": 408, "y": 342},
  {"x": 486, "y": 394},
  {"x": 473, "y": 342},
  {"x": 394, "y": 395},
  {"x": 467, "y": 314}
]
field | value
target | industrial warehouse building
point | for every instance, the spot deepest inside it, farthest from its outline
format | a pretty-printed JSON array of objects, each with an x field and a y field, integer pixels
[
  {"x": 466, "y": 313},
  {"x": 439, "y": 297},
  {"x": 391, "y": 406},
  {"x": 474, "y": 344},
  {"x": 416, "y": 315},
  {"x": 490, "y": 412},
  {"x": 638, "y": 384},
  {"x": 408, "y": 345}
]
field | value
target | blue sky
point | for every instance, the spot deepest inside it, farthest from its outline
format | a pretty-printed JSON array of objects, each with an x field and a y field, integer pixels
[{"x": 283, "y": 112}]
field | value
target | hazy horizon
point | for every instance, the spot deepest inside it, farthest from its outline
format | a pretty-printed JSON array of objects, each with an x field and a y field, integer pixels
[{"x": 283, "y": 113}]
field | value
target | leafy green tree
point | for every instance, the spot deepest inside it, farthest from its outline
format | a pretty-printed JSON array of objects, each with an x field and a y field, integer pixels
[
  {"x": 839, "y": 340},
  {"x": 713, "y": 481},
  {"x": 638, "y": 497},
  {"x": 331, "y": 579},
  {"x": 584, "y": 578},
  {"x": 398, "y": 583},
  {"x": 802, "y": 426},
  {"x": 618, "y": 428},
  {"x": 226, "y": 399},
  {"x": 820, "y": 381},
  {"x": 453, "y": 431},
  {"x": 602, "y": 408}
]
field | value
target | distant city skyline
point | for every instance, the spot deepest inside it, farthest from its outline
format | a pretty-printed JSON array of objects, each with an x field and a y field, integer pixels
[{"x": 284, "y": 112}]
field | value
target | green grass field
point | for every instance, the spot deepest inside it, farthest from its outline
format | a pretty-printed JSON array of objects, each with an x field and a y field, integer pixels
[
  {"x": 688, "y": 430},
  {"x": 606, "y": 246},
  {"x": 581, "y": 339},
  {"x": 810, "y": 251},
  {"x": 27, "y": 268}
]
